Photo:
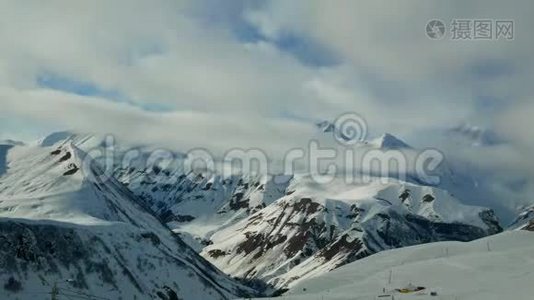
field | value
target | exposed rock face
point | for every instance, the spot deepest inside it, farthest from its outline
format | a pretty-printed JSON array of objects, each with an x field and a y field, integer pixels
[
  {"x": 183, "y": 200},
  {"x": 394, "y": 230}
]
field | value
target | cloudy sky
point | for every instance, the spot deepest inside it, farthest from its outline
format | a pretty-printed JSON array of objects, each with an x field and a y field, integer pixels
[{"x": 258, "y": 73}]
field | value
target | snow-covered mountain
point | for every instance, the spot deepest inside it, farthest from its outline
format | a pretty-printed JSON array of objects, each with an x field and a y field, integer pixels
[
  {"x": 282, "y": 228},
  {"x": 197, "y": 205},
  {"x": 65, "y": 231},
  {"x": 387, "y": 141},
  {"x": 498, "y": 267},
  {"x": 275, "y": 229},
  {"x": 317, "y": 228},
  {"x": 524, "y": 220}
]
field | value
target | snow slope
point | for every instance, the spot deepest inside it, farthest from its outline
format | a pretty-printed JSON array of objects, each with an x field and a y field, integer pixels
[
  {"x": 61, "y": 224},
  {"x": 452, "y": 269},
  {"x": 196, "y": 205}
]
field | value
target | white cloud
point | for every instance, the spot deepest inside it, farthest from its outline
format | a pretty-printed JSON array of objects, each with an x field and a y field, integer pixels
[
  {"x": 181, "y": 130},
  {"x": 149, "y": 53},
  {"x": 386, "y": 41},
  {"x": 154, "y": 52}
]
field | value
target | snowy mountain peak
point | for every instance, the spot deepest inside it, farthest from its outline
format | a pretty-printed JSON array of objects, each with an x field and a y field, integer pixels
[
  {"x": 82, "y": 140},
  {"x": 388, "y": 142},
  {"x": 325, "y": 126},
  {"x": 54, "y": 138},
  {"x": 52, "y": 183}
]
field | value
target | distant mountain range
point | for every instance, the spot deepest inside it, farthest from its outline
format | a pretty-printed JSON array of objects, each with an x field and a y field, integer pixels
[{"x": 156, "y": 232}]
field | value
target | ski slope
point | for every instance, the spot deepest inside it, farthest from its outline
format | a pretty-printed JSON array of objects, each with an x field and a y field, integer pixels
[{"x": 498, "y": 267}]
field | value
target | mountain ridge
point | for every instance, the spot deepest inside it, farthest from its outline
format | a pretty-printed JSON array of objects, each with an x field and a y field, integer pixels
[
  {"x": 59, "y": 225},
  {"x": 281, "y": 229}
]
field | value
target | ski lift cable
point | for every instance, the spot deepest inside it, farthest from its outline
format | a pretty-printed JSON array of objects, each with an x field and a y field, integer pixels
[{"x": 84, "y": 294}]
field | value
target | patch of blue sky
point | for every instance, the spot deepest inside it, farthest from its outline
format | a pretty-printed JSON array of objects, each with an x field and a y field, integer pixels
[
  {"x": 306, "y": 50},
  {"x": 230, "y": 15},
  {"x": 58, "y": 82},
  {"x": 79, "y": 87}
]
